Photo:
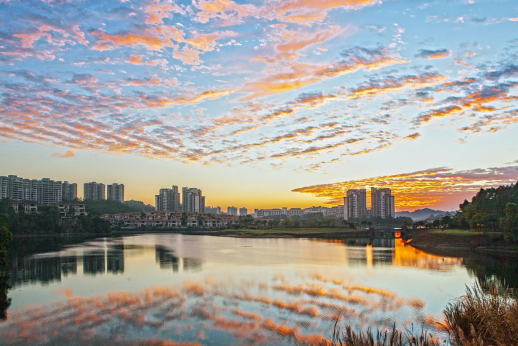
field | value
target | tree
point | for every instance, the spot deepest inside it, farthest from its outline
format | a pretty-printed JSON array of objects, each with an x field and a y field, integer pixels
[
  {"x": 201, "y": 220},
  {"x": 5, "y": 237},
  {"x": 509, "y": 223},
  {"x": 184, "y": 219}
]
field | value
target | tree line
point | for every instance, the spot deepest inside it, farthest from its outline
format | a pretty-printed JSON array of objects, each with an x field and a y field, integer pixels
[
  {"x": 490, "y": 210},
  {"x": 48, "y": 221}
]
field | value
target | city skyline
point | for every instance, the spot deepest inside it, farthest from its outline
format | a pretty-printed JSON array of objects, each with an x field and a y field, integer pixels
[{"x": 295, "y": 100}]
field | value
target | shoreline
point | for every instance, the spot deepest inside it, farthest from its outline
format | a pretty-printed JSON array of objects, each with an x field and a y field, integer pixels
[
  {"x": 451, "y": 242},
  {"x": 437, "y": 242}
]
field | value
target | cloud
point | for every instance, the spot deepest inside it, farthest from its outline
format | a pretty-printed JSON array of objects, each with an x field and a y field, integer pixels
[
  {"x": 65, "y": 155},
  {"x": 300, "y": 75},
  {"x": 290, "y": 11},
  {"x": 433, "y": 54},
  {"x": 154, "y": 38},
  {"x": 391, "y": 83},
  {"x": 432, "y": 188},
  {"x": 209, "y": 94}
]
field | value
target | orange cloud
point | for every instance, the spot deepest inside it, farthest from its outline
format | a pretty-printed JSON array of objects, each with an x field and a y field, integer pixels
[
  {"x": 393, "y": 84},
  {"x": 157, "y": 12},
  {"x": 432, "y": 188},
  {"x": 66, "y": 155},
  {"x": 311, "y": 10},
  {"x": 209, "y": 94},
  {"x": 301, "y": 75},
  {"x": 155, "y": 38},
  {"x": 433, "y": 54}
]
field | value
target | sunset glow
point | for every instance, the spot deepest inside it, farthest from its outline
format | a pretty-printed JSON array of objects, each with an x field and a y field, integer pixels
[{"x": 257, "y": 102}]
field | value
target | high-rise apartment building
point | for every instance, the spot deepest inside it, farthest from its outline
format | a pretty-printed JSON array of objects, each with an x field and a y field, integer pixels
[
  {"x": 94, "y": 191},
  {"x": 49, "y": 191},
  {"x": 192, "y": 200},
  {"x": 44, "y": 191},
  {"x": 355, "y": 204},
  {"x": 168, "y": 199},
  {"x": 69, "y": 191},
  {"x": 115, "y": 192},
  {"x": 243, "y": 211},
  {"x": 382, "y": 203},
  {"x": 232, "y": 211}
]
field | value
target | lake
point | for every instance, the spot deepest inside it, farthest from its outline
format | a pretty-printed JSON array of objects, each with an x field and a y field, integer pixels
[{"x": 191, "y": 290}]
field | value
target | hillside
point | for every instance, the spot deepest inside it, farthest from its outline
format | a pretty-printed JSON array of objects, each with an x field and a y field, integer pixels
[{"x": 423, "y": 214}]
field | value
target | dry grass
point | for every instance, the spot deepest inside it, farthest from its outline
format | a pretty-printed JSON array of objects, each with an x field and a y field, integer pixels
[
  {"x": 391, "y": 337},
  {"x": 483, "y": 317},
  {"x": 487, "y": 315}
]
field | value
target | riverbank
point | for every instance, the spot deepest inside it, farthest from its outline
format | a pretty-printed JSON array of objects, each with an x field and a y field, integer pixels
[
  {"x": 324, "y": 233},
  {"x": 449, "y": 241}
]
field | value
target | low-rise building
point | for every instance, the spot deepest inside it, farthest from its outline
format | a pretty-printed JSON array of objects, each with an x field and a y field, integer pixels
[
  {"x": 28, "y": 207},
  {"x": 167, "y": 219},
  {"x": 314, "y": 210}
]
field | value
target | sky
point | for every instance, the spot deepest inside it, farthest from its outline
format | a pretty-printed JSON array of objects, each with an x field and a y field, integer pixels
[{"x": 263, "y": 103}]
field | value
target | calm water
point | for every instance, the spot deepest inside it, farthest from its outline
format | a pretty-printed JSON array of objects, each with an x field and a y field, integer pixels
[{"x": 224, "y": 291}]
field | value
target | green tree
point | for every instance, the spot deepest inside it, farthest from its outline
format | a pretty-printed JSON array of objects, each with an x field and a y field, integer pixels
[
  {"x": 5, "y": 237},
  {"x": 201, "y": 220},
  {"x": 509, "y": 223},
  {"x": 184, "y": 219}
]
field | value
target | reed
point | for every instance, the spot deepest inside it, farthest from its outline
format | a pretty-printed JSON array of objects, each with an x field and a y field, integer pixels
[
  {"x": 487, "y": 315},
  {"x": 483, "y": 316},
  {"x": 369, "y": 337}
]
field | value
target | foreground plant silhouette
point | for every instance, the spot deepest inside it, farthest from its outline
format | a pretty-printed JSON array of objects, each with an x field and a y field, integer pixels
[
  {"x": 391, "y": 337},
  {"x": 482, "y": 317}
]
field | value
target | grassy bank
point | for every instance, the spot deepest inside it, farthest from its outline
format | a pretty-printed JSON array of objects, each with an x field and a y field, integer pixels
[
  {"x": 335, "y": 233},
  {"x": 444, "y": 242}
]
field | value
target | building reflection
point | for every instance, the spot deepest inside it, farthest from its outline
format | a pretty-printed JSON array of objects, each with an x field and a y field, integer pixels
[
  {"x": 394, "y": 251},
  {"x": 53, "y": 267},
  {"x": 44, "y": 270},
  {"x": 166, "y": 258},
  {"x": 115, "y": 259},
  {"x": 93, "y": 262}
]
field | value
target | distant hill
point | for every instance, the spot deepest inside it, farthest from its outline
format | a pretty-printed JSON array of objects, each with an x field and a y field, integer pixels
[
  {"x": 424, "y": 214},
  {"x": 139, "y": 205},
  {"x": 99, "y": 207}
]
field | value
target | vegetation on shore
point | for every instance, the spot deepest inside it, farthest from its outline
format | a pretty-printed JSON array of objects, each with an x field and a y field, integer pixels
[
  {"x": 484, "y": 316},
  {"x": 391, "y": 337},
  {"x": 5, "y": 237},
  {"x": 5, "y": 240},
  {"x": 490, "y": 210},
  {"x": 48, "y": 221},
  {"x": 439, "y": 241},
  {"x": 99, "y": 207},
  {"x": 487, "y": 315}
]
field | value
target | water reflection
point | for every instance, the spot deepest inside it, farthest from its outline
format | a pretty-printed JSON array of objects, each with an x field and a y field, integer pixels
[
  {"x": 167, "y": 259},
  {"x": 30, "y": 270},
  {"x": 115, "y": 259},
  {"x": 226, "y": 290},
  {"x": 5, "y": 301},
  {"x": 269, "y": 312},
  {"x": 49, "y": 267}
]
